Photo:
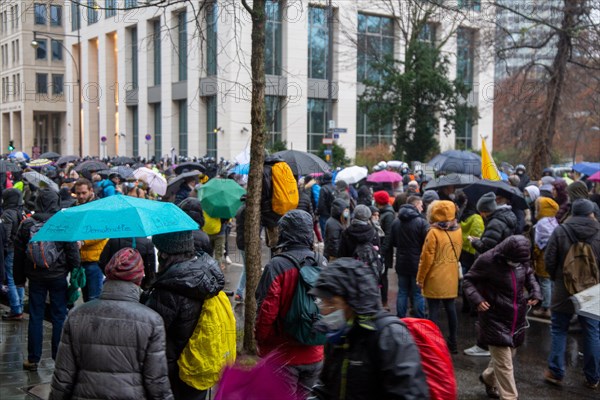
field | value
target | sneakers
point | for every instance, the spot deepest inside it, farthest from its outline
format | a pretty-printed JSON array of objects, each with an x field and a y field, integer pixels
[
  {"x": 476, "y": 351},
  {"x": 491, "y": 391},
  {"x": 12, "y": 317},
  {"x": 551, "y": 378},
  {"x": 30, "y": 366},
  {"x": 590, "y": 385}
]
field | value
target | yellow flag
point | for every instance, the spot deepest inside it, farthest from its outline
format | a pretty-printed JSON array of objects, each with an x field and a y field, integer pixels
[{"x": 488, "y": 166}]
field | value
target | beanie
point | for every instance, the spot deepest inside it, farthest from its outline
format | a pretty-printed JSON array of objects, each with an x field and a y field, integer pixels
[
  {"x": 381, "y": 197},
  {"x": 174, "y": 242},
  {"x": 125, "y": 265},
  {"x": 546, "y": 207},
  {"x": 430, "y": 196},
  {"x": 577, "y": 190},
  {"x": 582, "y": 207},
  {"x": 487, "y": 203},
  {"x": 546, "y": 183},
  {"x": 514, "y": 180},
  {"x": 362, "y": 213},
  {"x": 341, "y": 185}
]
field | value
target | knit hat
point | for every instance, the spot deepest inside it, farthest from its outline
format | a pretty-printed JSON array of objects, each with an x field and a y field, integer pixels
[
  {"x": 514, "y": 180},
  {"x": 430, "y": 196},
  {"x": 125, "y": 265},
  {"x": 341, "y": 185},
  {"x": 547, "y": 182},
  {"x": 362, "y": 212},
  {"x": 381, "y": 197},
  {"x": 487, "y": 203},
  {"x": 546, "y": 207},
  {"x": 577, "y": 190},
  {"x": 582, "y": 207},
  {"x": 174, "y": 242}
]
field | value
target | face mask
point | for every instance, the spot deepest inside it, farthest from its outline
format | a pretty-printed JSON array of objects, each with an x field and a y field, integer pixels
[
  {"x": 528, "y": 200},
  {"x": 346, "y": 214},
  {"x": 334, "y": 321}
]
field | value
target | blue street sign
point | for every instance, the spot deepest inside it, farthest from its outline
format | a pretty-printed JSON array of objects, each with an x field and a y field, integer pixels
[
  {"x": 336, "y": 135},
  {"x": 327, "y": 152}
]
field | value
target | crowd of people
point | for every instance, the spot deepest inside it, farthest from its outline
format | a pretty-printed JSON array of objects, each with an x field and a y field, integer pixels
[{"x": 497, "y": 259}]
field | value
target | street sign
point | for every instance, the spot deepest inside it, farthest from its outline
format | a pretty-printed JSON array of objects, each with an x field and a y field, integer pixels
[
  {"x": 327, "y": 152},
  {"x": 148, "y": 137},
  {"x": 339, "y": 130},
  {"x": 327, "y": 140},
  {"x": 336, "y": 135},
  {"x": 103, "y": 139}
]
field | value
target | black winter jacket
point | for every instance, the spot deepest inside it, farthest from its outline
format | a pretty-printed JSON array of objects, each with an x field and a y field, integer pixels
[
  {"x": 493, "y": 280},
  {"x": 143, "y": 245},
  {"x": 356, "y": 234},
  {"x": 326, "y": 197},
  {"x": 304, "y": 202},
  {"x": 365, "y": 197},
  {"x": 12, "y": 211},
  {"x": 386, "y": 220},
  {"x": 334, "y": 229},
  {"x": 409, "y": 231},
  {"x": 500, "y": 225},
  {"x": 240, "y": 218}
]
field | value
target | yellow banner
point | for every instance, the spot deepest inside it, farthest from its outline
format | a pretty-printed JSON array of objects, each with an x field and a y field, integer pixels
[{"x": 488, "y": 166}]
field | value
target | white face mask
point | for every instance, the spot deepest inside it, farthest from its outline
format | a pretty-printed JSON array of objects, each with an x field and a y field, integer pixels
[
  {"x": 346, "y": 214},
  {"x": 334, "y": 321}
]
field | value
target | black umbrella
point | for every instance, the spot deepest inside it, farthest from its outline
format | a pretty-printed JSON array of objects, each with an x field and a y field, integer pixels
[
  {"x": 456, "y": 180},
  {"x": 478, "y": 189},
  {"x": 66, "y": 159},
  {"x": 50, "y": 155},
  {"x": 124, "y": 171},
  {"x": 175, "y": 183},
  {"x": 6, "y": 165},
  {"x": 457, "y": 161},
  {"x": 91, "y": 165},
  {"x": 40, "y": 181},
  {"x": 303, "y": 163},
  {"x": 190, "y": 166},
  {"x": 122, "y": 161}
]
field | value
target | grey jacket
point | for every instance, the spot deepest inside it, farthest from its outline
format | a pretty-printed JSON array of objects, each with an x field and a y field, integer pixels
[{"x": 112, "y": 348}]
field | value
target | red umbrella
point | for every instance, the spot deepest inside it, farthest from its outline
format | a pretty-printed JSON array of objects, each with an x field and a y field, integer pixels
[
  {"x": 384, "y": 177},
  {"x": 595, "y": 177}
]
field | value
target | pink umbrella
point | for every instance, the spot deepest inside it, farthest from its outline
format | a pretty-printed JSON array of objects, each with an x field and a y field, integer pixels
[
  {"x": 595, "y": 177},
  {"x": 384, "y": 177}
]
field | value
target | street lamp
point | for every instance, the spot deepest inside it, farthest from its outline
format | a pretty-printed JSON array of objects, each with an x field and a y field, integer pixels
[{"x": 35, "y": 44}]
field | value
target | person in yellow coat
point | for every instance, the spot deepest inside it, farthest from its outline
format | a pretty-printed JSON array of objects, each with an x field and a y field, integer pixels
[{"x": 438, "y": 267}]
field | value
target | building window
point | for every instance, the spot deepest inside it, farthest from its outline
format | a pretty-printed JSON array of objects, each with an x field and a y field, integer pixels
[
  {"x": 57, "y": 84},
  {"x": 273, "y": 38},
  {"x": 157, "y": 132},
  {"x": 57, "y": 50},
  {"x": 41, "y": 50},
  {"x": 463, "y": 129},
  {"x": 75, "y": 16},
  {"x": 465, "y": 55},
  {"x": 375, "y": 42},
  {"x": 318, "y": 40},
  {"x": 18, "y": 87},
  {"x": 273, "y": 119},
  {"x": 156, "y": 52},
  {"x": 110, "y": 8},
  {"x": 135, "y": 131},
  {"x": 130, "y": 3},
  {"x": 317, "y": 123},
  {"x": 369, "y": 134},
  {"x": 41, "y": 83},
  {"x": 17, "y": 50},
  {"x": 183, "y": 128},
  {"x": 211, "y": 125},
  {"x": 55, "y": 15},
  {"x": 134, "y": 58},
  {"x": 211, "y": 38},
  {"x": 40, "y": 14},
  {"x": 182, "y": 45},
  {"x": 92, "y": 12},
  {"x": 474, "y": 5},
  {"x": 428, "y": 34}
]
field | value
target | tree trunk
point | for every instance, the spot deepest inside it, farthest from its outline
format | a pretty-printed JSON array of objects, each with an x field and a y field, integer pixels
[
  {"x": 252, "y": 217},
  {"x": 541, "y": 145}
]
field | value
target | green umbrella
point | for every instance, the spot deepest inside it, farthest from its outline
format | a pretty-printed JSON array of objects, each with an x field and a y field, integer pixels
[{"x": 220, "y": 198}]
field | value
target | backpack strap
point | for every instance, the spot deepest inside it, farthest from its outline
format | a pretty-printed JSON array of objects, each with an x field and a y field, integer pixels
[
  {"x": 298, "y": 264},
  {"x": 452, "y": 245},
  {"x": 569, "y": 234}
]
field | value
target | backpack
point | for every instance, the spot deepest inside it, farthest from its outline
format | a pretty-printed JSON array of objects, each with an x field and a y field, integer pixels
[
  {"x": 435, "y": 357},
  {"x": 303, "y": 312},
  {"x": 42, "y": 254},
  {"x": 212, "y": 225},
  {"x": 212, "y": 345},
  {"x": 367, "y": 253},
  {"x": 284, "y": 195},
  {"x": 580, "y": 268}
]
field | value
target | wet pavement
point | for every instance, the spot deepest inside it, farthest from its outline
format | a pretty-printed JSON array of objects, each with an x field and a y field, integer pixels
[{"x": 529, "y": 364}]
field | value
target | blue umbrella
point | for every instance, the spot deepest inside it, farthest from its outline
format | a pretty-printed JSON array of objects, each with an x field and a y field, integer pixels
[
  {"x": 19, "y": 155},
  {"x": 587, "y": 168},
  {"x": 241, "y": 169},
  {"x": 115, "y": 217}
]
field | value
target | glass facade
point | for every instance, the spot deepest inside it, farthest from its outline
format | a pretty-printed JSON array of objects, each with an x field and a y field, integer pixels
[
  {"x": 41, "y": 52},
  {"x": 156, "y": 51},
  {"x": 463, "y": 129},
  {"x": 57, "y": 84},
  {"x": 465, "y": 55},
  {"x": 375, "y": 41},
  {"x": 470, "y": 4},
  {"x": 273, "y": 38},
  {"x": 212, "y": 13},
  {"x": 273, "y": 117},
  {"x": 317, "y": 123},
  {"x": 134, "y": 58},
  {"x": 135, "y": 130},
  {"x": 182, "y": 45},
  {"x": 40, "y": 14},
  {"x": 211, "y": 125},
  {"x": 157, "y": 131},
  {"x": 57, "y": 50},
  {"x": 130, "y": 3},
  {"x": 41, "y": 83},
  {"x": 111, "y": 8},
  {"x": 318, "y": 42},
  {"x": 75, "y": 16},
  {"x": 92, "y": 12},
  {"x": 183, "y": 127},
  {"x": 55, "y": 15},
  {"x": 428, "y": 34},
  {"x": 369, "y": 134}
]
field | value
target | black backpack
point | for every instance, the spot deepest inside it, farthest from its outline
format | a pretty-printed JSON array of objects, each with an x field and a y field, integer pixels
[
  {"x": 42, "y": 254},
  {"x": 367, "y": 253}
]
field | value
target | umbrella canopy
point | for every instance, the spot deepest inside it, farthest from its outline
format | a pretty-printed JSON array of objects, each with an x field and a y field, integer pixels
[
  {"x": 457, "y": 161},
  {"x": 190, "y": 166},
  {"x": 352, "y": 175},
  {"x": 479, "y": 188},
  {"x": 587, "y": 168},
  {"x": 50, "y": 155},
  {"x": 175, "y": 183},
  {"x": 595, "y": 177},
  {"x": 123, "y": 171},
  {"x": 40, "y": 162},
  {"x": 156, "y": 182},
  {"x": 240, "y": 169},
  {"x": 6, "y": 165},
  {"x": 66, "y": 159},
  {"x": 115, "y": 217},
  {"x": 19, "y": 155},
  {"x": 221, "y": 197},
  {"x": 91, "y": 165},
  {"x": 456, "y": 180},
  {"x": 40, "y": 181},
  {"x": 302, "y": 163},
  {"x": 122, "y": 161},
  {"x": 384, "y": 177}
]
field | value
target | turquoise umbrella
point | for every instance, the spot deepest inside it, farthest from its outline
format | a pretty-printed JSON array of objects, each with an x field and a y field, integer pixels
[
  {"x": 220, "y": 198},
  {"x": 115, "y": 217}
]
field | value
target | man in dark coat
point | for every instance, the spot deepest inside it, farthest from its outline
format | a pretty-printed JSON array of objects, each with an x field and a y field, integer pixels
[
  {"x": 385, "y": 360},
  {"x": 12, "y": 214},
  {"x": 43, "y": 282},
  {"x": 408, "y": 235},
  {"x": 337, "y": 222},
  {"x": 326, "y": 197},
  {"x": 500, "y": 223},
  {"x": 583, "y": 227}
]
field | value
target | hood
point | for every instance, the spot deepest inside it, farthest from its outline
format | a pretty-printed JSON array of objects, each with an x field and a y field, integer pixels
[
  {"x": 198, "y": 278},
  {"x": 442, "y": 211},
  {"x": 47, "y": 202},
  {"x": 515, "y": 248},
  {"x": 272, "y": 160},
  {"x": 337, "y": 208},
  {"x": 326, "y": 178},
  {"x": 408, "y": 212},
  {"x": 561, "y": 191},
  {"x": 350, "y": 279},
  {"x": 534, "y": 192},
  {"x": 295, "y": 230},
  {"x": 361, "y": 233},
  {"x": 546, "y": 207},
  {"x": 583, "y": 227},
  {"x": 193, "y": 208},
  {"x": 12, "y": 198},
  {"x": 506, "y": 215}
]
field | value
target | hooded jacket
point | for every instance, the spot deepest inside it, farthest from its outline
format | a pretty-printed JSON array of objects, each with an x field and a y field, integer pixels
[
  {"x": 408, "y": 235},
  {"x": 493, "y": 279},
  {"x": 584, "y": 229},
  {"x": 438, "y": 266},
  {"x": 12, "y": 206},
  {"x": 47, "y": 204},
  {"x": 276, "y": 290},
  {"x": 326, "y": 196},
  {"x": 357, "y": 233},
  {"x": 112, "y": 348},
  {"x": 334, "y": 229},
  {"x": 500, "y": 225},
  {"x": 386, "y": 220},
  {"x": 193, "y": 208}
]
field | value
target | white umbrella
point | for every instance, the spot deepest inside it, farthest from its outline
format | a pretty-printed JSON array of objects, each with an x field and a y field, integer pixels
[
  {"x": 155, "y": 181},
  {"x": 40, "y": 181},
  {"x": 352, "y": 175}
]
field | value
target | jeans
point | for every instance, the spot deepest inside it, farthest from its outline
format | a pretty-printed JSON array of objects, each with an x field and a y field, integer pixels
[
  {"x": 57, "y": 289},
  {"x": 591, "y": 346},
  {"x": 94, "y": 278},
  {"x": 15, "y": 294},
  {"x": 546, "y": 285},
  {"x": 407, "y": 285},
  {"x": 434, "y": 312},
  {"x": 322, "y": 221},
  {"x": 242, "y": 285}
]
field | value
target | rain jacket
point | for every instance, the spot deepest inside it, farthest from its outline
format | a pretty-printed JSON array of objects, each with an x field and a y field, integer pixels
[
  {"x": 500, "y": 225},
  {"x": 493, "y": 280},
  {"x": 438, "y": 266},
  {"x": 409, "y": 231},
  {"x": 326, "y": 197},
  {"x": 178, "y": 294},
  {"x": 471, "y": 226},
  {"x": 92, "y": 249},
  {"x": 108, "y": 188},
  {"x": 584, "y": 229},
  {"x": 334, "y": 229},
  {"x": 143, "y": 245},
  {"x": 12, "y": 206},
  {"x": 355, "y": 234},
  {"x": 276, "y": 290},
  {"x": 386, "y": 220},
  {"x": 112, "y": 348}
]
